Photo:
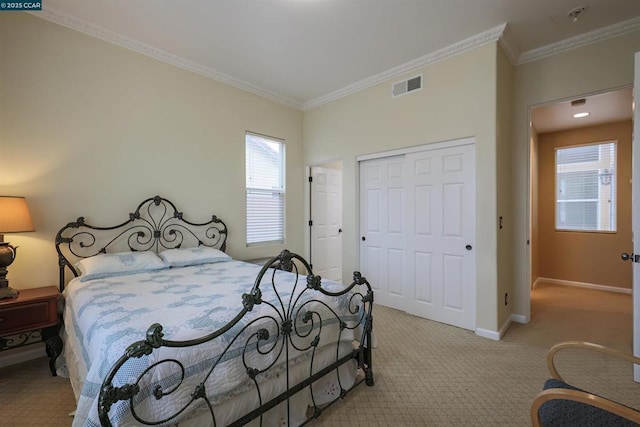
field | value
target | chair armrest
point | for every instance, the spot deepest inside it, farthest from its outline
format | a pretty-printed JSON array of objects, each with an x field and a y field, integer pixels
[
  {"x": 588, "y": 346},
  {"x": 583, "y": 397}
]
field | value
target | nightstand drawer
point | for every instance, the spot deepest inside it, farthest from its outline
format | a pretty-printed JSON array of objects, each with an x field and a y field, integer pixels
[{"x": 26, "y": 316}]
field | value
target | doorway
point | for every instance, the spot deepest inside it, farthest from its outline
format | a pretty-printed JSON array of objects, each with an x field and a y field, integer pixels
[{"x": 581, "y": 256}]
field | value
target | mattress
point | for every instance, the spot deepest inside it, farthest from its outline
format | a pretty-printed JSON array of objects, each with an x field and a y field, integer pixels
[{"x": 104, "y": 316}]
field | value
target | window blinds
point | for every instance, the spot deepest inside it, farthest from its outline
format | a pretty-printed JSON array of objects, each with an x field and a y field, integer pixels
[
  {"x": 264, "y": 189},
  {"x": 586, "y": 187}
]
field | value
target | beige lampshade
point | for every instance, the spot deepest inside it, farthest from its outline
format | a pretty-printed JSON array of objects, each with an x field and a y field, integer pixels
[{"x": 14, "y": 215}]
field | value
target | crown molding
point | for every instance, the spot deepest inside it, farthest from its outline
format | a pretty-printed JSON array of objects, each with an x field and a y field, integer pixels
[
  {"x": 52, "y": 15},
  {"x": 595, "y": 36},
  {"x": 488, "y": 36},
  {"x": 508, "y": 45},
  {"x": 501, "y": 33}
]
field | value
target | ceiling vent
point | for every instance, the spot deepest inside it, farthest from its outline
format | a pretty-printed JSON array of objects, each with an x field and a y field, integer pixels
[{"x": 405, "y": 86}]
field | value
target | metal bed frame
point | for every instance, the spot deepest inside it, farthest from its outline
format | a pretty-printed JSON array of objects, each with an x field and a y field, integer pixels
[{"x": 157, "y": 225}]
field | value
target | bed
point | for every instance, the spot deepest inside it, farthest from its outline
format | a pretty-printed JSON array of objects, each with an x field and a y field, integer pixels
[{"x": 162, "y": 327}]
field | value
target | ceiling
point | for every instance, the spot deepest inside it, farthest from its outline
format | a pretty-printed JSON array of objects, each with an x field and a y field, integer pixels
[
  {"x": 603, "y": 108},
  {"x": 305, "y": 52}
]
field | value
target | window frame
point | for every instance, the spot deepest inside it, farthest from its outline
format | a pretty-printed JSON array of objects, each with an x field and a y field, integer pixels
[
  {"x": 265, "y": 191},
  {"x": 586, "y": 166}
]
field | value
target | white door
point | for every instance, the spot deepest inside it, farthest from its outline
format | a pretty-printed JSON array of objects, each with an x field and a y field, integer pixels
[
  {"x": 441, "y": 235},
  {"x": 635, "y": 222},
  {"x": 326, "y": 216},
  {"x": 382, "y": 225},
  {"x": 417, "y": 218}
]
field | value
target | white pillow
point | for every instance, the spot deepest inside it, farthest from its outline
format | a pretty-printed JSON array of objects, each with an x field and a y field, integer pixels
[
  {"x": 181, "y": 257},
  {"x": 118, "y": 264}
]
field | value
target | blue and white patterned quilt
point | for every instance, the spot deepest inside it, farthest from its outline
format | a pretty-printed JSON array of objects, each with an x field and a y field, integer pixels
[{"x": 107, "y": 315}]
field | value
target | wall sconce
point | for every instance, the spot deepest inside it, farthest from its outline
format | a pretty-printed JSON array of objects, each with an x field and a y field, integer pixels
[{"x": 14, "y": 218}]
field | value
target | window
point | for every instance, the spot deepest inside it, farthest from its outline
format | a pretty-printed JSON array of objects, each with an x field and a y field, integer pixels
[
  {"x": 586, "y": 187},
  {"x": 265, "y": 189}
]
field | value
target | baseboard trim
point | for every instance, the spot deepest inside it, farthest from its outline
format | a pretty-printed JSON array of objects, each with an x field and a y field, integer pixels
[
  {"x": 19, "y": 355},
  {"x": 519, "y": 318},
  {"x": 487, "y": 333},
  {"x": 582, "y": 285},
  {"x": 497, "y": 335}
]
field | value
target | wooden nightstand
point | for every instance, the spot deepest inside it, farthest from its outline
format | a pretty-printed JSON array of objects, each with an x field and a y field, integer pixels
[{"x": 32, "y": 317}]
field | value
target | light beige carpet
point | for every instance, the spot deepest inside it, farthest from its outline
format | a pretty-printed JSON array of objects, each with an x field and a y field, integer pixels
[{"x": 426, "y": 373}]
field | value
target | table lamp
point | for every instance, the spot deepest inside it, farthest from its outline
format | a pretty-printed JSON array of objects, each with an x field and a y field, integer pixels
[{"x": 14, "y": 218}]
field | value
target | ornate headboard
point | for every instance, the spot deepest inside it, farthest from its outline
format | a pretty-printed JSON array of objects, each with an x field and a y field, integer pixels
[{"x": 155, "y": 225}]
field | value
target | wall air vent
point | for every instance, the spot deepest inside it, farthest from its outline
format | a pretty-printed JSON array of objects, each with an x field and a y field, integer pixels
[{"x": 406, "y": 86}]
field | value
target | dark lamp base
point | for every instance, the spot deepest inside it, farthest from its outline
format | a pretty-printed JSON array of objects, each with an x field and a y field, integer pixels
[
  {"x": 7, "y": 256},
  {"x": 8, "y": 293}
]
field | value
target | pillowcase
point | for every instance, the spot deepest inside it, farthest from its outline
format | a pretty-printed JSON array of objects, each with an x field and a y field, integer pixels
[
  {"x": 181, "y": 257},
  {"x": 118, "y": 264}
]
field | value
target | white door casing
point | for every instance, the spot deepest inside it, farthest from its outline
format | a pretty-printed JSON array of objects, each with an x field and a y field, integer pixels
[
  {"x": 635, "y": 222},
  {"x": 417, "y": 215},
  {"x": 326, "y": 214}
]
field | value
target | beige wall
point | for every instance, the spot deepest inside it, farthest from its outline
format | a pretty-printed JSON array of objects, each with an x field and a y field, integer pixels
[
  {"x": 89, "y": 128},
  {"x": 594, "y": 68},
  {"x": 504, "y": 146},
  {"x": 585, "y": 257},
  {"x": 458, "y": 100}
]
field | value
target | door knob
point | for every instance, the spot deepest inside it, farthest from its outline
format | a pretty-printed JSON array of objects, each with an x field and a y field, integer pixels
[{"x": 626, "y": 257}]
